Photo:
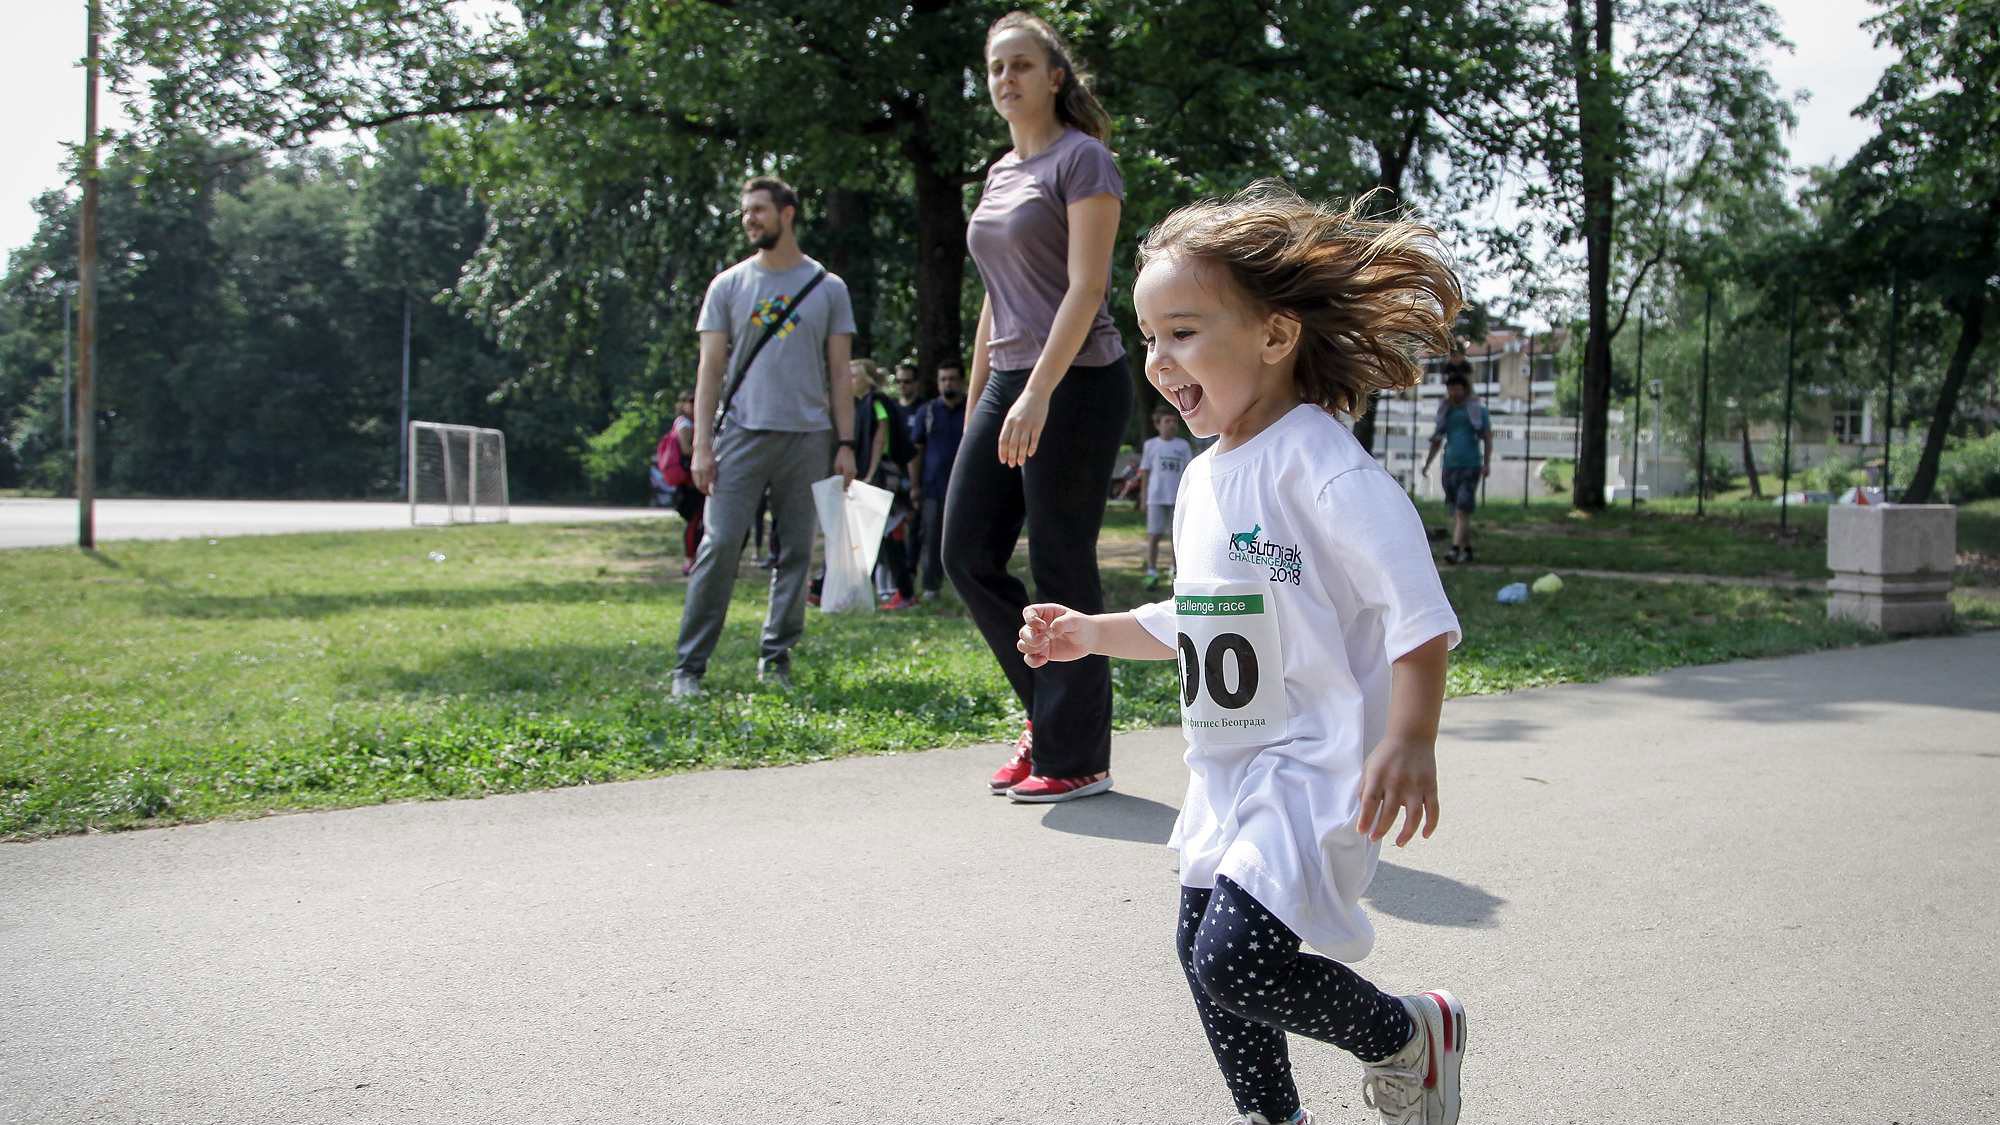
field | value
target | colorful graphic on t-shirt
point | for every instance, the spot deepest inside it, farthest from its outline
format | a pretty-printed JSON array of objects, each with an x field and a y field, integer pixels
[
  {"x": 1286, "y": 563},
  {"x": 771, "y": 309}
]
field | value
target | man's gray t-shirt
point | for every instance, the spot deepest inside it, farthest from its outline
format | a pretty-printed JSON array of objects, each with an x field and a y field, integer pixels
[{"x": 785, "y": 389}]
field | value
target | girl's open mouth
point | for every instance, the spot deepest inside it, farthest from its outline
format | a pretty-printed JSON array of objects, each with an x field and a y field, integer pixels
[{"x": 1186, "y": 397}]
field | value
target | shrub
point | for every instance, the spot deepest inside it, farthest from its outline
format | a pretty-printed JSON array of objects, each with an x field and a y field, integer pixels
[
  {"x": 1968, "y": 469},
  {"x": 1556, "y": 474},
  {"x": 615, "y": 458}
]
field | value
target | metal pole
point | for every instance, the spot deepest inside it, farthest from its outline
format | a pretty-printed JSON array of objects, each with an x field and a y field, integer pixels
[
  {"x": 1576, "y": 420},
  {"x": 403, "y": 422},
  {"x": 1638, "y": 381},
  {"x": 1701, "y": 437},
  {"x": 1487, "y": 388},
  {"x": 1416, "y": 475},
  {"x": 1528, "y": 425},
  {"x": 1889, "y": 397},
  {"x": 86, "y": 344},
  {"x": 68, "y": 373},
  {"x": 1785, "y": 465}
]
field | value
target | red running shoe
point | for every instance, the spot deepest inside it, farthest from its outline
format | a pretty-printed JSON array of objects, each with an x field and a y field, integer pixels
[
  {"x": 1049, "y": 790},
  {"x": 1019, "y": 766},
  {"x": 898, "y": 602}
]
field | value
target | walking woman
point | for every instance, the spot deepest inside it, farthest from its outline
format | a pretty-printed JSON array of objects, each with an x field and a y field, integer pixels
[{"x": 1050, "y": 396}]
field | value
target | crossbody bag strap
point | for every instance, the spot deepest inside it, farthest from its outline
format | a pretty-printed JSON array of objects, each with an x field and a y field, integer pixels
[{"x": 743, "y": 369}]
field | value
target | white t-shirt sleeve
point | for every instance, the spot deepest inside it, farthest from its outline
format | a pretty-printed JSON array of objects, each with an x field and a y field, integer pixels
[
  {"x": 1149, "y": 456},
  {"x": 1378, "y": 540},
  {"x": 1157, "y": 618}
]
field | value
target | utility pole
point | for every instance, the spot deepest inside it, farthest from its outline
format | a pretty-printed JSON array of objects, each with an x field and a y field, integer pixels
[
  {"x": 1528, "y": 426},
  {"x": 1487, "y": 388},
  {"x": 68, "y": 372},
  {"x": 403, "y": 422},
  {"x": 86, "y": 345},
  {"x": 1638, "y": 381},
  {"x": 1889, "y": 397},
  {"x": 1701, "y": 437},
  {"x": 1785, "y": 465}
]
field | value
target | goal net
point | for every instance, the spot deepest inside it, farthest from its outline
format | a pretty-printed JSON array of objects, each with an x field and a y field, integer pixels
[{"x": 458, "y": 474}]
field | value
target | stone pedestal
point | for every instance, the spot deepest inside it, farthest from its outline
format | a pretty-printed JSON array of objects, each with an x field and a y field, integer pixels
[{"x": 1892, "y": 565}]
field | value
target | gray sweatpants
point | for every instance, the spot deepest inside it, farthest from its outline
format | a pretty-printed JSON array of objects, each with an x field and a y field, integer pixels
[{"x": 746, "y": 462}]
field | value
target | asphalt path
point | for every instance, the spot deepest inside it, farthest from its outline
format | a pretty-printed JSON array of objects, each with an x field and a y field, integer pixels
[
  {"x": 1750, "y": 893},
  {"x": 53, "y": 523}
]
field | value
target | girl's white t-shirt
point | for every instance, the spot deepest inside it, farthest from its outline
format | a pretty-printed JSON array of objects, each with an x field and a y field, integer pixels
[{"x": 1295, "y": 553}]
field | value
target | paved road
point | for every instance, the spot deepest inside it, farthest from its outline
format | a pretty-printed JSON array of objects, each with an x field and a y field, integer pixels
[
  {"x": 1754, "y": 893},
  {"x": 52, "y": 523}
]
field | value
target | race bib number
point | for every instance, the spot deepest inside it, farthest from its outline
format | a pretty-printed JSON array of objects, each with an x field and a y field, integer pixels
[{"x": 1232, "y": 669}]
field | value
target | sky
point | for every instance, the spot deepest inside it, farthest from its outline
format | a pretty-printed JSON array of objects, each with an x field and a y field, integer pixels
[{"x": 42, "y": 92}]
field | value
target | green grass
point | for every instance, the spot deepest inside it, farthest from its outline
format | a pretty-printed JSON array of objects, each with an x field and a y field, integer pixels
[{"x": 165, "y": 682}]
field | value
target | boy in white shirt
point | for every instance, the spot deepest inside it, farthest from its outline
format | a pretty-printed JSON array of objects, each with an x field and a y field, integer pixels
[{"x": 1161, "y": 464}]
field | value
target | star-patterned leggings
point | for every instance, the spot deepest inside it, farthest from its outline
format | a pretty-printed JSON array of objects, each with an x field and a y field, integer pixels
[{"x": 1252, "y": 985}]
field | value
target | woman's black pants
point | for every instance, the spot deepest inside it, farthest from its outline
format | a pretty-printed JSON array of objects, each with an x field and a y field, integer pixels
[{"x": 1058, "y": 496}]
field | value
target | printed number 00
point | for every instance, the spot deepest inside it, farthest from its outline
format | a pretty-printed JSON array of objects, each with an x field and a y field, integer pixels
[{"x": 1206, "y": 670}]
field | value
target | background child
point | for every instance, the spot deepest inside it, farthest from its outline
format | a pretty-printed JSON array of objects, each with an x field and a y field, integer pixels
[
  {"x": 1312, "y": 632},
  {"x": 1161, "y": 463}
]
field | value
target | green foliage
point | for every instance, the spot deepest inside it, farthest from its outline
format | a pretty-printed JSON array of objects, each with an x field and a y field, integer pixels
[
  {"x": 1557, "y": 473},
  {"x": 615, "y": 458},
  {"x": 1968, "y": 468},
  {"x": 1835, "y": 475}
]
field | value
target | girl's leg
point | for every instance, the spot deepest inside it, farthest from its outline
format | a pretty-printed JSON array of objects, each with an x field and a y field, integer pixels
[
  {"x": 1249, "y": 964},
  {"x": 1252, "y": 1055}
]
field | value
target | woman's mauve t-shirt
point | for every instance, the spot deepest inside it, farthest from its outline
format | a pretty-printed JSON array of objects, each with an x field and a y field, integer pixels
[{"x": 1019, "y": 238}]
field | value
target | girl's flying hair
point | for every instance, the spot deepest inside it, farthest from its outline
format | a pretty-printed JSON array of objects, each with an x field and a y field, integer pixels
[{"x": 1369, "y": 293}]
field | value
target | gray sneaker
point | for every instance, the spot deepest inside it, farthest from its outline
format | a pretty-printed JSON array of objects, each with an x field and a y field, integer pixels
[
  {"x": 1418, "y": 1085},
  {"x": 778, "y": 675},
  {"x": 686, "y": 686},
  {"x": 1302, "y": 1117}
]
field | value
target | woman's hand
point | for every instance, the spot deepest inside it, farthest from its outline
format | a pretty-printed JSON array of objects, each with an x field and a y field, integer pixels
[
  {"x": 1399, "y": 776},
  {"x": 1021, "y": 433},
  {"x": 1054, "y": 632}
]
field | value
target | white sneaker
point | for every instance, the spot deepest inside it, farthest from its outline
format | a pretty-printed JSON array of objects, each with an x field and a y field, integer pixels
[
  {"x": 1418, "y": 1085},
  {"x": 1302, "y": 1117},
  {"x": 686, "y": 686}
]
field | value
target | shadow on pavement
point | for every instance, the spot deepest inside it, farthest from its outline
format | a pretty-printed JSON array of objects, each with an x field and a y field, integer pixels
[
  {"x": 1115, "y": 816},
  {"x": 1836, "y": 686},
  {"x": 1430, "y": 899}
]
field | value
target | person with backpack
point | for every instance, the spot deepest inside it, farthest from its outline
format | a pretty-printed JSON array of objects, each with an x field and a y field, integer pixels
[
  {"x": 670, "y": 476},
  {"x": 882, "y": 434}
]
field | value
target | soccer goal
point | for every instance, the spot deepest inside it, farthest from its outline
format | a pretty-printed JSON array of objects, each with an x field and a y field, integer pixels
[{"x": 458, "y": 474}]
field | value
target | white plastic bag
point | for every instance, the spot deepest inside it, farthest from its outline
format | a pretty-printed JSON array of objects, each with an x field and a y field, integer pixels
[{"x": 852, "y": 520}]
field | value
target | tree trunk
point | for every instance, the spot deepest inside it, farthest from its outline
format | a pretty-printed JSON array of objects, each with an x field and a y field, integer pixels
[
  {"x": 1972, "y": 328},
  {"x": 846, "y": 245},
  {"x": 940, "y": 254},
  {"x": 1597, "y": 130},
  {"x": 1750, "y": 461}
]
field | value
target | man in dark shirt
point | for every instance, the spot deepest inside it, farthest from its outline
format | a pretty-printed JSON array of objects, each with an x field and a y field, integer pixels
[{"x": 937, "y": 426}]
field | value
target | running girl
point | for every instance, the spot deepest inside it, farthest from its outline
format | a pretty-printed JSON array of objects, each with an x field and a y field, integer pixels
[{"x": 1311, "y": 629}]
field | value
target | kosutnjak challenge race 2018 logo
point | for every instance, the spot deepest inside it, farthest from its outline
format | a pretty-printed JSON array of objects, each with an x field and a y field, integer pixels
[{"x": 1286, "y": 563}]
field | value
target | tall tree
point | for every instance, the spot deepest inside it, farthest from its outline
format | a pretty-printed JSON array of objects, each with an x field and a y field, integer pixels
[
  {"x": 1665, "y": 98},
  {"x": 1922, "y": 197}
]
